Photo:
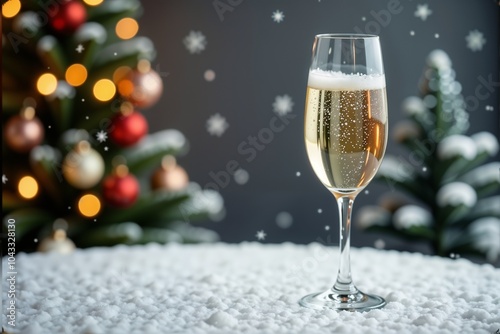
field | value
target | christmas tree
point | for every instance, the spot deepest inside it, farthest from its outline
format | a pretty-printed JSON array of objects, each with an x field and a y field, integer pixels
[
  {"x": 453, "y": 202},
  {"x": 77, "y": 158}
]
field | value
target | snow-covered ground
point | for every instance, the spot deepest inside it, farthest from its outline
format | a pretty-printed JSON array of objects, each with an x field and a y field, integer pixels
[{"x": 245, "y": 288}]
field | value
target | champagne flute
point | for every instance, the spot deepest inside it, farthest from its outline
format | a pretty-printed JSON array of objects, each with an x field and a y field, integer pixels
[{"x": 345, "y": 136}]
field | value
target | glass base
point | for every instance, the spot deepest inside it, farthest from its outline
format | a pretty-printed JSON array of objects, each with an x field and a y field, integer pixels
[{"x": 330, "y": 299}]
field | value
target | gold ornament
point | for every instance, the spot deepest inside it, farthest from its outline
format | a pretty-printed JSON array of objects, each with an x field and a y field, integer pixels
[
  {"x": 57, "y": 243},
  {"x": 169, "y": 176},
  {"x": 83, "y": 167}
]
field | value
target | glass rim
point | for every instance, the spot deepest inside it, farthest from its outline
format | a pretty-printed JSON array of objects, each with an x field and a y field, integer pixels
[{"x": 347, "y": 36}]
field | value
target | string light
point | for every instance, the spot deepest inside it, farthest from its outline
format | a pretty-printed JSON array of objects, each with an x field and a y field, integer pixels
[
  {"x": 89, "y": 205},
  {"x": 11, "y": 8},
  {"x": 93, "y": 2},
  {"x": 76, "y": 75},
  {"x": 104, "y": 90},
  {"x": 46, "y": 84},
  {"x": 27, "y": 187},
  {"x": 127, "y": 28},
  {"x": 120, "y": 73}
]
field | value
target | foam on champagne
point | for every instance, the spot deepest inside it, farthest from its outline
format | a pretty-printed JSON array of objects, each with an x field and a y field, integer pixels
[{"x": 332, "y": 80}]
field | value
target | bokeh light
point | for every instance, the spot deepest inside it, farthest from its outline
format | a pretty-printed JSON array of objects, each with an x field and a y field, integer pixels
[
  {"x": 104, "y": 90},
  {"x": 127, "y": 28},
  {"x": 93, "y": 2},
  {"x": 11, "y": 8},
  {"x": 89, "y": 205},
  {"x": 27, "y": 187},
  {"x": 46, "y": 84},
  {"x": 76, "y": 75}
]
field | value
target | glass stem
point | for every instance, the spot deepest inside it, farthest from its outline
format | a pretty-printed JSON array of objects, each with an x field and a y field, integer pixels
[{"x": 344, "y": 284}]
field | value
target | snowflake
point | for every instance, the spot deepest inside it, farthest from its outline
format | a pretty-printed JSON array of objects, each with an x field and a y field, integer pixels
[
  {"x": 282, "y": 105},
  {"x": 327, "y": 227},
  {"x": 475, "y": 40},
  {"x": 4, "y": 179},
  {"x": 195, "y": 42},
  {"x": 101, "y": 136},
  {"x": 278, "y": 16},
  {"x": 105, "y": 148},
  {"x": 217, "y": 125},
  {"x": 261, "y": 235},
  {"x": 423, "y": 11},
  {"x": 80, "y": 48}
]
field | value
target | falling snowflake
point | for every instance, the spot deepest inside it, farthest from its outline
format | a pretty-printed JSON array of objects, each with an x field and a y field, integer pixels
[
  {"x": 423, "y": 11},
  {"x": 260, "y": 235},
  {"x": 282, "y": 105},
  {"x": 101, "y": 136},
  {"x": 105, "y": 148},
  {"x": 320, "y": 211},
  {"x": 475, "y": 40},
  {"x": 35, "y": 240},
  {"x": 195, "y": 42},
  {"x": 297, "y": 174},
  {"x": 412, "y": 33},
  {"x": 4, "y": 179},
  {"x": 278, "y": 16},
  {"x": 80, "y": 48},
  {"x": 217, "y": 125},
  {"x": 489, "y": 108},
  {"x": 327, "y": 227}
]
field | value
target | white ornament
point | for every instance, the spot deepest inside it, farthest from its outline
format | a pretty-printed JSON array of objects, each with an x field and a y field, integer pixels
[
  {"x": 411, "y": 215},
  {"x": 456, "y": 146},
  {"x": 455, "y": 194}
]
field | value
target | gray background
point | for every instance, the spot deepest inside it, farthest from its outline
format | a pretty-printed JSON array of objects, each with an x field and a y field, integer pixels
[{"x": 256, "y": 59}]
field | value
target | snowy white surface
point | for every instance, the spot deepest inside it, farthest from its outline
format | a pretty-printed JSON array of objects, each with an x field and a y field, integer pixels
[{"x": 247, "y": 288}]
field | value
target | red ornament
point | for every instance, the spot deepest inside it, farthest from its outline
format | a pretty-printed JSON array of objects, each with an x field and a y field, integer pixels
[
  {"x": 128, "y": 128},
  {"x": 68, "y": 17},
  {"x": 23, "y": 132},
  {"x": 120, "y": 189}
]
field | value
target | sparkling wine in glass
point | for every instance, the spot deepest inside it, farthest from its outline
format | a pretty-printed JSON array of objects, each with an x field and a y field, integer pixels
[{"x": 345, "y": 130}]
